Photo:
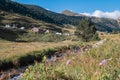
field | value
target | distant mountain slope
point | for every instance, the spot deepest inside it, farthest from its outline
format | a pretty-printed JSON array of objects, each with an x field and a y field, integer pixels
[
  {"x": 42, "y": 14},
  {"x": 57, "y": 18},
  {"x": 7, "y": 18},
  {"x": 105, "y": 24}
]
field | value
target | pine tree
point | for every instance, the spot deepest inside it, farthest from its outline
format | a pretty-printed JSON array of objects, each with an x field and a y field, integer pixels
[{"x": 86, "y": 31}]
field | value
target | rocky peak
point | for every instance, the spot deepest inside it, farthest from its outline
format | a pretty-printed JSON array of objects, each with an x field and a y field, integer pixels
[{"x": 69, "y": 13}]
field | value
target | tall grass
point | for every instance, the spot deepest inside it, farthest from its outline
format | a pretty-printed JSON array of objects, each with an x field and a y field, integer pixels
[
  {"x": 30, "y": 57},
  {"x": 102, "y": 63}
]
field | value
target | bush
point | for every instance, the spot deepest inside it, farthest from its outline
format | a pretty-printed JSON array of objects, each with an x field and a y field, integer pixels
[{"x": 86, "y": 31}]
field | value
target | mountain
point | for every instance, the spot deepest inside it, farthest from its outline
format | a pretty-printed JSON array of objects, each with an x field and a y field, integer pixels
[
  {"x": 39, "y": 13},
  {"x": 70, "y": 13},
  {"x": 102, "y": 24},
  {"x": 56, "y": 18}
]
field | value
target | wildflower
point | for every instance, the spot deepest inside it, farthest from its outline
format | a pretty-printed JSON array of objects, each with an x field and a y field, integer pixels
[
  {"x": 103, "y": 62},
  {"x": 68, "y": 62}
]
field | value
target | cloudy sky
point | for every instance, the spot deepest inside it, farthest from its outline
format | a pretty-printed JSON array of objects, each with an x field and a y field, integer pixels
[
  {"x": 98, "y": 8},
  {"x": 98, "y": 13}
]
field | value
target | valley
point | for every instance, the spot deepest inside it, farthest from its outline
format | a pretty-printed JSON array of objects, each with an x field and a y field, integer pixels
[{"x": 37, "y": 43}]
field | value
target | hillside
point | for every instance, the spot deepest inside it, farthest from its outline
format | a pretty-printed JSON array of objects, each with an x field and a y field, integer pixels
[
  {"x": 16, "y": 22},
  {"x": 42, "y": 14},
  {"x": 21, "y": 20}
]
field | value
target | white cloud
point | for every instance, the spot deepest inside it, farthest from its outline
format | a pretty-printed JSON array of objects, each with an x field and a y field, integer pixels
[
  {"x": 101, "y": 14},
  {"x": 47, "y": 9}
]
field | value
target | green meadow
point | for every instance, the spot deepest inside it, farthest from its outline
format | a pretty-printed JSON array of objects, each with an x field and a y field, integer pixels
[{"x": 101, "y": 63}]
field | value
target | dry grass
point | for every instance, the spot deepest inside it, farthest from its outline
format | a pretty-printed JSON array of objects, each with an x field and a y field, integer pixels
[
  {"x": 111, "y": 36},
  {"x": 10, "y": 49},
  {"x": 83, "y": 66}
]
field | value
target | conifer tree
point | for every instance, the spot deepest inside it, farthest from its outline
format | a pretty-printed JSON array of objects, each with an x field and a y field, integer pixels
[{"x": 86, "y": 31}]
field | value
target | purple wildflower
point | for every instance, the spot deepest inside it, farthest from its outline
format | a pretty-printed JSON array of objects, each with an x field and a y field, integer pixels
[
  {"x": 103, "y": 62},
  {"x": 68, "y": 62}
]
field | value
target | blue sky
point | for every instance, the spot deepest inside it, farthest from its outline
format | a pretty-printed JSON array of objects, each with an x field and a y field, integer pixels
[
  {"x": 97, "y": 8},
  {"x": 76, "y": 5}
]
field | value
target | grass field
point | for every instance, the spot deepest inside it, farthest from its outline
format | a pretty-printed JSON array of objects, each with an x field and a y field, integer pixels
[
  {"x": 101, "y": 63},
  {"x": 15, "y": 54},
  {"x": 9, "y": 49}
]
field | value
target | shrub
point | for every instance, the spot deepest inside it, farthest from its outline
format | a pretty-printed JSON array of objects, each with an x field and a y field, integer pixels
[{"x": 86, "y": 31}]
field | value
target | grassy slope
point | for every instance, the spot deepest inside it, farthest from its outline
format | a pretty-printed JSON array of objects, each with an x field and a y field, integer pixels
[
  {"x": 9, "y": 18},
  {"x": 20, "y": 20},
  {"x": 83, "y": 66}
]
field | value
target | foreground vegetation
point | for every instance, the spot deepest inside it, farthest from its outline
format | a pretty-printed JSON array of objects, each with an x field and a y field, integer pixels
[
  {"x": 101, "y": 63},
  {"x": 15, "y": 54}
]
